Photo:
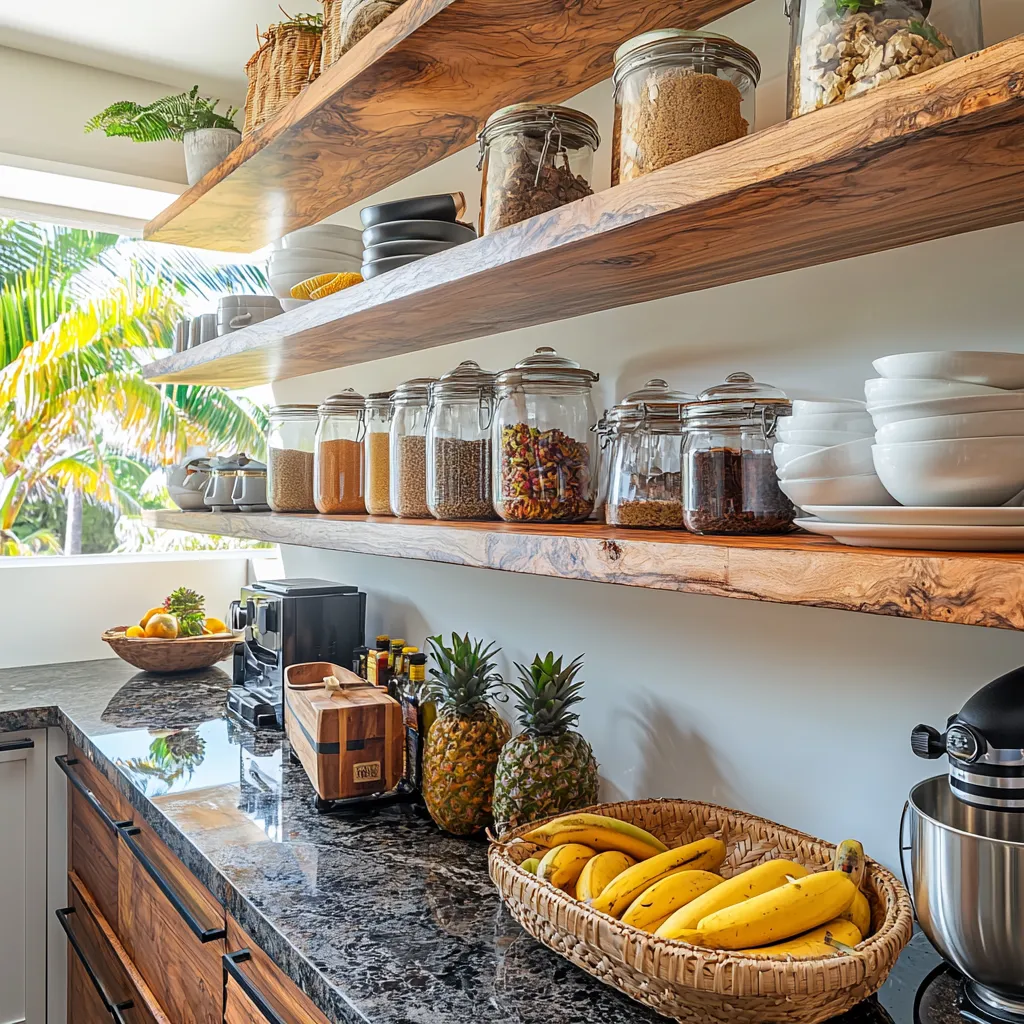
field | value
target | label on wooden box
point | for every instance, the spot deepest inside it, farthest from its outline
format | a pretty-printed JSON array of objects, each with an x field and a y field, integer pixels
[{"x": 369, "y": 771}]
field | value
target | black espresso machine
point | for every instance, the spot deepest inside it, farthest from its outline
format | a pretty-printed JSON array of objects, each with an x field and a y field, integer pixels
[{"x": 287, "y": 622}]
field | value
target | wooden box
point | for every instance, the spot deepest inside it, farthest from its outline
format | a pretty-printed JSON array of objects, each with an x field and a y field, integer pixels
[{"x": 350, "y": 740}]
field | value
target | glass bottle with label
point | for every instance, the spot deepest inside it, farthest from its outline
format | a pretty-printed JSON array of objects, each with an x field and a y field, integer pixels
[{"x": 418, "y": 712}]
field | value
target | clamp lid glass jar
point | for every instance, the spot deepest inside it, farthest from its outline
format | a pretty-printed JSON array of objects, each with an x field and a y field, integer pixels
[
  {"x": 408, "y": 448},
  {"x": 459, "y": 444},
  {"x": 535, "y": 157},
  {"x": 338, "y": 469},
  {"x": 291, "y": 441},
  {"x": 729, "y": 480},
  {"x": 377, "y": 442},
  {"x": 544, "y": 459}
]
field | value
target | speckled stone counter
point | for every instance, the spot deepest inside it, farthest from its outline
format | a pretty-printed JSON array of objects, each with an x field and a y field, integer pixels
[{"x": 375, "y": 914}]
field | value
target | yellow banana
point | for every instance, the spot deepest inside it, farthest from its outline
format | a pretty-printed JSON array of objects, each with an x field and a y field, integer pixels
[
  {"x": 598, "y": 831},
  {"x": 650, "y": 909},
  {"x": 859, "y": 914},
  {"x": 812, "y": 944},
  {"x": 530, "y": 864},
  {"x": 599, "y": 871},
  {"x": 561, "y": 865},
  {"x": 781, "y": 913},
  {"x": 703, "y": 855},
  {"x": 765, "y": 877},
  {"x": 849, "y": 859}
]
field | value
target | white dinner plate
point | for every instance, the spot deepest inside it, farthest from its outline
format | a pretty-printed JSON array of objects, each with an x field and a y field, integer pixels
[
  {"x": 924, "y": 538},
  {"x": 903, "y": 515}
]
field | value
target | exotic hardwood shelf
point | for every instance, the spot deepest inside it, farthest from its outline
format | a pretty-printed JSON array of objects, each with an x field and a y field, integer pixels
[
  {"x": 919, "y": 159},
  {"x": 413, "y": 91},
  {"x": 972, "y": 589}
]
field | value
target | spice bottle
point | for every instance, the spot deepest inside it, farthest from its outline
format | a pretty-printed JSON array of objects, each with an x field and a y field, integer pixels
[
  {"x": 543, "y": 440},
  {"x": 377, "y": 662},
  {"x": 291, "y": 441},
  {"x": 378, "y": 455},
  {"x": 729, "y": 480},
  {"x": 459, "y": 444},
  {"x": 409, "y": 448},
  {"x": 535, "y": 158},
  {"x": 338, "y": 469},
  {"x": 418, "y": 713},
  {"x": 359, "y": 658},
  {"x": 395, "y": 656},
  {"x": 678, "y": 93}
]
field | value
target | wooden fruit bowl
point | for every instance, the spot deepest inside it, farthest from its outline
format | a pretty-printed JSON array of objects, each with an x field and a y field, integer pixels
[{"x": 185, "y": 654}]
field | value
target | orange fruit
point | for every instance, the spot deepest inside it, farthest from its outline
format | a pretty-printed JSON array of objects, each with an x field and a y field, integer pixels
[
  {"x": 214, "y": 625},
  {"x": 165, "y": 627},
  {"x": 135, "y": 632},
  {"x": 158, "y": 610}
]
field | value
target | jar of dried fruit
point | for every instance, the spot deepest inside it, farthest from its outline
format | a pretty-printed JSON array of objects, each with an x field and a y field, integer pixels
[
  {"x": 534, "y": 158},
  {"x": 678, "y": 93},
  {"x": 338, "y": 468},
  {"x": 408, "y": 448},
  {"x": 459, "y": 444},
  {"x": 378, "y": 453},
  {"x": 729, "y": 481},
  {"x": 840, "y": 49},
  {"x": 646, "y": 481},
  {"x": 544, "y": 455},
  {"x": 291, "y": 443}
]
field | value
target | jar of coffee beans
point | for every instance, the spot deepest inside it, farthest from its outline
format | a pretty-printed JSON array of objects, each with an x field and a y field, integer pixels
[
  {"x": 408, "y": 449},
  {"x": 291, "y": 443},
  {"x": 338, "y": 483},
  {"x": 459, "y": 444},
  {"x": 378, "y": 453},
  {"x": 729, "y": 481}
]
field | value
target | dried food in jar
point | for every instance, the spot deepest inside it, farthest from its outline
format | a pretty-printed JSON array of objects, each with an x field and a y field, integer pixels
[
  {"x": 360, "y": 17},
  {"x": 545, "y": 475},
  {"x": 410, "y": 501},
  {"x": 339, "y": 477},
  {"x": 290, "y": 480},
  {"x": 736, "y": 492},
  {"x": 462, "y": 479},
  {"x": 662, "y": 513},
  {"x": 378, "y": 473}
]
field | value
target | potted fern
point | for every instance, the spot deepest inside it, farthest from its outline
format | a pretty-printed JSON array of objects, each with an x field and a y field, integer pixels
[{"x": 189, "y": 118}]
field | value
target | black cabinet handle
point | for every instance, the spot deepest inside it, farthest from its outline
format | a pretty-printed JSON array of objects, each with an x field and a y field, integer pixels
[
  {"x": 114, "y": 1009},
  {"x": 64, "y": 763},
  {"x": 25, "y": 744},
  {"x": 231, "y": 962},
  {"x": 127, "y": 831}
]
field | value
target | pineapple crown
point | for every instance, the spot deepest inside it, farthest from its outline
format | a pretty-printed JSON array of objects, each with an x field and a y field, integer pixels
[
  {"x": 464, "y": 679},
  {"x": 187, "y": 607},
  {"x": 545, "y": 693}
]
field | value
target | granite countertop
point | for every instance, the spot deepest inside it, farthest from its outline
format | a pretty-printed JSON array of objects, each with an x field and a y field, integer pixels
[{"x": 377, "y": 915}]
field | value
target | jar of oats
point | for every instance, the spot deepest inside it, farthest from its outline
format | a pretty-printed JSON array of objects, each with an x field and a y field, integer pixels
[
  {"x": 678, "y": 93},
  {"x": 378, "y": 455},
  {"x": 408, "y": 449},
  {"x": 291, "y": 443}
]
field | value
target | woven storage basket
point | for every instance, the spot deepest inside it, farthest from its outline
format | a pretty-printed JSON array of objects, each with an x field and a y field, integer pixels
[
  {"x": 286, "y": 62},
  {"x": 165, "y": 656},
  {"x": 347, "y": 21},
  {"x": 690, "y": 983}
]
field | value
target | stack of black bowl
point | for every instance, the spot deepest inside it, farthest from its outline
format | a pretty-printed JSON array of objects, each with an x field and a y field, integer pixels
[{"x": 395, "y": 234}]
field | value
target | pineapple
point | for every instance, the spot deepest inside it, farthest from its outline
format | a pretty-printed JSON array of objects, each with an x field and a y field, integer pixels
[
  {"x": 548, "y": 768},
  {"x": 187, "y": 607},
  {"x": 465, "y": 739}
]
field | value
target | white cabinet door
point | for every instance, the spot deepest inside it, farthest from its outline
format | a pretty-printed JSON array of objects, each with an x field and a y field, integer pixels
[{"x": 23, "y": 877}]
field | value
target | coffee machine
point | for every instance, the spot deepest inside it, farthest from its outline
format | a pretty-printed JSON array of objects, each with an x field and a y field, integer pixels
[{"x": 287, "y": 622}]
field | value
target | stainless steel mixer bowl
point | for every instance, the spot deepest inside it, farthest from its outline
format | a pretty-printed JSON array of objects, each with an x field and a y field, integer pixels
[{"x": 968, "y": 888}]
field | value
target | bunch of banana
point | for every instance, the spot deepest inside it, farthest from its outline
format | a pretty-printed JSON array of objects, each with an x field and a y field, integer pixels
[
  {"x": 599, "y": 832},
  {"x": 563, "y": 864}
]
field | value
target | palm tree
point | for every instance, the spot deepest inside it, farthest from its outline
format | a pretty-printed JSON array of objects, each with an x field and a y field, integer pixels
[{"x": 81, "y": 312}]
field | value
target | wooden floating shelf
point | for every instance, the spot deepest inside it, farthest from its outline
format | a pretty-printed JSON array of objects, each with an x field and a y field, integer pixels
[
  {"x": 415, "y": 90},
  {"x": 919, "y": 159},
  {"x": 968, "y": 588}
]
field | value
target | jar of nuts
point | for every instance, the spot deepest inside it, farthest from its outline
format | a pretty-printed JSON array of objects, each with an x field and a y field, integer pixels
[
  {"x": 378, "y": 454},
  {"x": 408, "y": 448},
  {"x": 291, "y": 442}
]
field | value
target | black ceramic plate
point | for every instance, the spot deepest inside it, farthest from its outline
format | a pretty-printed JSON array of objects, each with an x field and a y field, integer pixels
[
  {"x": 378, "y": 267},
  {"x": 445, "y": 207},
  {"x": 429, "y": 230},
  {"x": 405, "y": 247}
]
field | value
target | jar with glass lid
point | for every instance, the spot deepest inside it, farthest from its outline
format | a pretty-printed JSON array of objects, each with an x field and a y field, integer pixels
[
  {"x": 840, "y": 49},
  {"x": 678, "y": 93},
  {"x": 605, "y": 431},
  {"x": 408, "y": 449},
  {"x": 459, "y": 444},
  {"x": 377, "y": 460},
  {"x": 338, "y": 469},
  {"x": 729, "y": 481},
  {"x": 544, "y": 455},
  {"x": 291, "y": 443},
  {"x": 645, "y": 486},
  {"x": 534, "y": 157}
]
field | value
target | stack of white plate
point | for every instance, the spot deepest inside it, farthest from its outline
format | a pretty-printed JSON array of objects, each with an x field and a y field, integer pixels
[{"x": 302, "y": 254}]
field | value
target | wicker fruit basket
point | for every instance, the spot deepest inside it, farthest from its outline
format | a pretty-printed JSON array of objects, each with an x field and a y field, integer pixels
[
  {"x": 186, "y": 654},
  {"x": 287, "y": 60},
  {"x": 690, "y": 983}
]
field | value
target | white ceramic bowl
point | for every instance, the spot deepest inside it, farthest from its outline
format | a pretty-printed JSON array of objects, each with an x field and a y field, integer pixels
[
  {"x": 187, "y": 500},
  {"x": 837, "y": 490},
  {"x": 994, "y": 369},
  {"x": 850, "y": 459},
  {"x": 350, "y": 250},
  {"x": 968, "y": 471},
  {"x": 311, "y": 267},
  {"x": 938, "y": 428},
  {"x": 785, "y": 453},
  {"x": 851, "y": 421},
  {"x": 321, "y": 236},
  {"x": 289, "y": 304},
  {"x": 882, "y": 391},
  {"x": 820, "y": 438},
  {"x": 816, "y": 406},
  {"x": 1001, "y": 401}
]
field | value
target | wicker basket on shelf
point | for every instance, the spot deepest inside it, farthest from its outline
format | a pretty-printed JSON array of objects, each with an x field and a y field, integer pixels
[
  {"x": 690, "y": 983},
  {"x": 347, "y": 21}
]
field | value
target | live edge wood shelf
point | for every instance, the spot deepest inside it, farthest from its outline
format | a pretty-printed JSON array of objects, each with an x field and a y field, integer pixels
[
  {"x": 972, "y": 589},
  {"x": 919, "y": 159}
]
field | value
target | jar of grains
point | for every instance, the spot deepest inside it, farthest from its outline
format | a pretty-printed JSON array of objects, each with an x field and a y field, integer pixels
[
  {"x": 544, "y": 454},
  {"x": 645, "y": 486},
  {"x": 378, "y": 455},
  {"x": 678, "y": 93},
  {"x": 291, "y": 442},
  {"x": 729, "y": 481},
  {"x": 409, "y": 448},
  {"x": 338, "y": 470},
  {"x": 534, "y": 158},
  {"x": 840, "y": 49},
  {"x": 459, "y": 444}
]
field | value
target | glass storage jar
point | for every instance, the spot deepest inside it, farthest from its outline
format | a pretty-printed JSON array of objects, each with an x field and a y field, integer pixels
[
  {"x": 338, "y": 469},
  {"x": 605, "y": 431},
  {"x": 534, "y": 158},
  {"x": 459, "y": 444},
  {"x": 544, "y": 455},
  {"x": 840, "y": 49},
  {"x": 291, "y": 442},
  {"x": 408, "y": 450},
  {"x": 645, "y": 486},
  {"x": 678, "y": 93},
  {"x": 378, "y": 453}
]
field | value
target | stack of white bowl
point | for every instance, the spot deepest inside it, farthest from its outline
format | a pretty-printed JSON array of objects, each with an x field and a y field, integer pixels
[
  {"x": 308, "y": 252},
  {"x": 823, "y": 454},
  {"x": 949, "y": 427}
]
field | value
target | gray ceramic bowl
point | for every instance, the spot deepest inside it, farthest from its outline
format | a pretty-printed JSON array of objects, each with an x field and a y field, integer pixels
[
  {"x": 378, "y": 267},
  {"x": 428, "y": 230}
]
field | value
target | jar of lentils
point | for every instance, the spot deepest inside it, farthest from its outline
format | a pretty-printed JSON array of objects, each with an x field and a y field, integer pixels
[
  {"x": 377, "y": 443},
  {"x": 459, "y": 444},
  {"x": 408, "y": 449},
  {"x": 291, "y": 443},
  {"x": 543, "y": 440},
  {"x": 338, "y": 468}
]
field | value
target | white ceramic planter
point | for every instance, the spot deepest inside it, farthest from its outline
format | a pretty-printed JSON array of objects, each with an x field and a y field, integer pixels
[{"x": 205, "y": 148}]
